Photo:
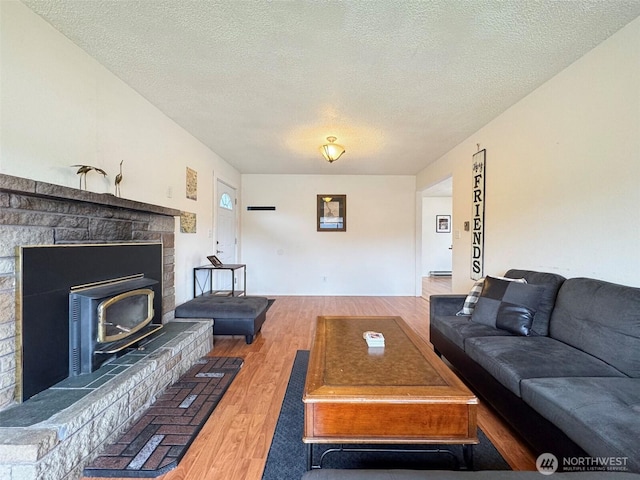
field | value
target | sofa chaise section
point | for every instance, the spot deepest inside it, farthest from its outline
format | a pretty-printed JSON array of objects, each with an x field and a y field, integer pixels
[{"x": 602, "y": 414}]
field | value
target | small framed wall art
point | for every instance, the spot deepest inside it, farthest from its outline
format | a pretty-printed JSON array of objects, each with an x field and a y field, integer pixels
[
  {"x": 192, "y": 184},
  {"x": 187, "y": 222},
  {"x": 443, "y": 223},
  {"x": 332, "y": 213}
]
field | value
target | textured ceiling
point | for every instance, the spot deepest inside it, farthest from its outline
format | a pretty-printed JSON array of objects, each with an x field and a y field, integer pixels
[{"x": 400, "y": 83}]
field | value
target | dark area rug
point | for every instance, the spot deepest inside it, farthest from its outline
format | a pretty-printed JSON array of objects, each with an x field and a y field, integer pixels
[
  {"x": 287, "y": 455},
  {"x": 160, "y": 438}
]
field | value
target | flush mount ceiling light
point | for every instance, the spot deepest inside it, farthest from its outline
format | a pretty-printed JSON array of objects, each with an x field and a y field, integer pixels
[{"x": 332, "y": 151}]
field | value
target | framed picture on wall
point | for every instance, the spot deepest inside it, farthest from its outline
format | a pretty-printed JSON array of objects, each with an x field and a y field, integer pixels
[
  {"x": 443, "y": 223},
  {"x": 331, "y": 213},
  {"x": 192, "y": 184},
  {"x": 187, "y": 222}
]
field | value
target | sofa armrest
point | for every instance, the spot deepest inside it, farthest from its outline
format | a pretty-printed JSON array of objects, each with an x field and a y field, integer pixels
[{"x": 445, "y": 305}]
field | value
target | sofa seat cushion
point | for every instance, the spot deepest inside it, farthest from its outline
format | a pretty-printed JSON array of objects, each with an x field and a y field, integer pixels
[
  {"x": 512, "y": 359},
  {"x": 214, "y": 306},
  {"x": 459, "y": 328},
  {"x": 601, "y": 415}
]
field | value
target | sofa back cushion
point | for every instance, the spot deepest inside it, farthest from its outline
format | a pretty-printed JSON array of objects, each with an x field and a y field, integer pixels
[
  {"x": 551, "y": 283},
  {"x": 602, "y": 319}
]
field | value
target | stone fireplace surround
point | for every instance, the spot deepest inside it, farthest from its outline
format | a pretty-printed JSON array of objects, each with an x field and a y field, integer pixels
[{"x": 38, "y": 213}]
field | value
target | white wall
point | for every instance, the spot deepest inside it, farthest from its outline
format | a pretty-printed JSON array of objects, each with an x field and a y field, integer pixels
[
  {"x": 61, "y": 107},
  {"x": 563, "y": 170},
  {"x": 286, "y": 255},
  {"x": 435, "y": 246},
  {"x": 562, "y": 189}
]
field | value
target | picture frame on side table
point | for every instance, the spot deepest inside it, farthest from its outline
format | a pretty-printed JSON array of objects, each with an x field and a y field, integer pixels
[
  {"x": 331, "y": 213},
  {"x": 443, "y": 223},
  {"x": 215, "y": 261}
]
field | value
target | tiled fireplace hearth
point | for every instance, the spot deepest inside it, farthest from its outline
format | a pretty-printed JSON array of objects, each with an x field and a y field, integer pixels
[{"x": 56, "y": 432}]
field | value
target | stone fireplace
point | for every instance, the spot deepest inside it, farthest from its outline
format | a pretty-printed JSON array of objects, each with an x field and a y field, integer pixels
[{"x": 56, "y": 431}]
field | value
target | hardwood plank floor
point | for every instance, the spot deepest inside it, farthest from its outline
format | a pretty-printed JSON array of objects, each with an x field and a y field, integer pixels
[
  {"x": 435, "y": 286},
  {"x": 234, "y": 443}
]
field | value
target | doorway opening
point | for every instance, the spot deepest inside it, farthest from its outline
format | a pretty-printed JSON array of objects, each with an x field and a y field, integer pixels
[{"x": 436, "y": 264}]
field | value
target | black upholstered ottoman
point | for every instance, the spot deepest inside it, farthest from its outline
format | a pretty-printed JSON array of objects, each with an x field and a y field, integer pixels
[{"x": 231, "y": 315}]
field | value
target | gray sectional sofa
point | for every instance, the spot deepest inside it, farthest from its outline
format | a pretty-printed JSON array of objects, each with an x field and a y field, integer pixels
[{"x": 569, "y": 380}]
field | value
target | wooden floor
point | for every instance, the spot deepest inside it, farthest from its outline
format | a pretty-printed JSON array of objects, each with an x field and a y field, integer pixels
[
  {"x": 435, "y": 286},
  {"x": 234, "y": 443}
]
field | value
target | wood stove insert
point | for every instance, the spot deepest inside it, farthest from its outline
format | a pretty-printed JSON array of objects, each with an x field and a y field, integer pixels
[
  {"x": 106, "y": 318},
  {"x": 47, "y": 275}
]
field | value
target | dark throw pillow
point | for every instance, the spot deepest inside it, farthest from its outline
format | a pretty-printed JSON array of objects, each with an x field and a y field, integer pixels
[
  {"x": 474, "y": 294},
  {"x": 509, "y": 306}
]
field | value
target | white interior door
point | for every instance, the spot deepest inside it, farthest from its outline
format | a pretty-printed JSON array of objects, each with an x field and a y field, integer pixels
[{"x": 225, "y": 232}]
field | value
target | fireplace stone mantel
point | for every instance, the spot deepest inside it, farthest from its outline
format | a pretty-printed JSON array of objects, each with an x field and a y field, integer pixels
[{"x": 33, "y": 188}]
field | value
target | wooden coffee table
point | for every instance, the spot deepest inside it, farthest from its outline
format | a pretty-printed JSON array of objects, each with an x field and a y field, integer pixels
[{"x": 400, "y": 394}]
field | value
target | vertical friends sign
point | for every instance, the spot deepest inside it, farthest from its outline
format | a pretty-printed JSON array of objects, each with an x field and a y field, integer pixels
[{"x": 477, "y": 239}]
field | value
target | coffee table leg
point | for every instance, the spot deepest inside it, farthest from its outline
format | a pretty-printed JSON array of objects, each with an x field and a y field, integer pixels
[
  {"x": 309, "y": 456},
  {"x": 467, "y": 453}
]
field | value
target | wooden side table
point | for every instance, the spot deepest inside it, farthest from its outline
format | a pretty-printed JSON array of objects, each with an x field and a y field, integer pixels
[{"x": 200, "y": 288}]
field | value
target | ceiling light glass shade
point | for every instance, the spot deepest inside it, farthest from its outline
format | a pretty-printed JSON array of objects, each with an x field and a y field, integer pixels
[{"x": 332, "y": 151}]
